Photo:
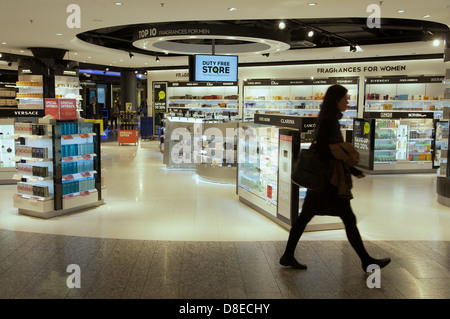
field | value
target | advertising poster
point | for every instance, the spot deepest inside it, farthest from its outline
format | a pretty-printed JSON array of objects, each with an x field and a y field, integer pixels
[
  {"x": 362, "y": 141},
  {"x": 159, "y": 102}
]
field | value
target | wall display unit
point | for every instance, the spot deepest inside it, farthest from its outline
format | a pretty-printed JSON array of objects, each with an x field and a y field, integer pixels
[
  {"x": 296, "y": 97},
  {"x": 7, "y": 151},
  {"x": 8, "y": 98},
  {"x": 30, "y": 92},
  {"x": 58, "y": 167},
  {"x": 68, "y": 87},
  {"x": 442, "y": 150},
  {"x": 205, "y": 100},
  {"x": 405, "y": 94},
  {"x": 129, "y": 131},
  {"x": 267, "y": 149},
  {"x": 395, "y": 142}
]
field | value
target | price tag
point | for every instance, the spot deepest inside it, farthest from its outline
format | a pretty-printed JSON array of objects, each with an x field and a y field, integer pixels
[
  {"x": 32, "y": 179},
  {"x": 85, "y": 193},
  {"x": 70, "y": 196},
  {"x": 68, "y": 177},
  {"x": 33, "y": 199},
  {"x": 68, "y": 159},
  {"x": 15, "y": 136},
  {"x": 67, "y": 137},
  {"x": 17, "y": 196},
  {"x": 16, "y": 158},
  {"x": 86, "y": 156},
  {"x": 33, "y": 138},
  {"x": 86, "y": 174},
  {"x": 84, "y": 135}
]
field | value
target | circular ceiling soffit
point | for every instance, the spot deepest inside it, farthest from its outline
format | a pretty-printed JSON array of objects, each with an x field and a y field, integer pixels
[{"x": 193, "y": 39}]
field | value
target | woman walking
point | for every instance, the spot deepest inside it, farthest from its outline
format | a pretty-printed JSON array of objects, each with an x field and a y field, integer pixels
[{"x": 334, "y": 200}]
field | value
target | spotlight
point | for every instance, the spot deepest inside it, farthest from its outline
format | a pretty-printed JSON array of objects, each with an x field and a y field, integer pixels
[
  {"x": 0, "y": 55},
  {"x": 436, "y": 42},
  {"x": 131, "y": 55},
  {"x": 352, "y": 47},
  {"x": 157, "y": 59},
  {"x": 282, "y": 25}
]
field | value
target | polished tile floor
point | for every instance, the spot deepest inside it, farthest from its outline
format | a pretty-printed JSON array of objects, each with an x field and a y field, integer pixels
[
  {"x": 34, "y": 265},
  {"x": 168, "y": 234}
]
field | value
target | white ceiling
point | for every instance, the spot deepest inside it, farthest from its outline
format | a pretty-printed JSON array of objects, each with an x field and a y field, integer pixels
[{"x": 35, "y": 23}]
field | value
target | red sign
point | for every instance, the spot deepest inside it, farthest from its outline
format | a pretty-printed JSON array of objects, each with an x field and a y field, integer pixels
[
  {"x": 128, "y": 136},
  {"x": 61, "y": 109}
]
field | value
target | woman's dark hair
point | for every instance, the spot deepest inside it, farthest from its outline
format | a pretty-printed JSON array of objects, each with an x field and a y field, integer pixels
[{"x": 329, "y": 106}]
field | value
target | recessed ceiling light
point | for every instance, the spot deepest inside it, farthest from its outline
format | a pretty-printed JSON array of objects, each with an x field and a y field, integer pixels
[
  {"x": 436, "y": 42},
  {"x": 3, "y": 42},
  {"x": 75, "y": 53},
  {"x": 426, "y": 16},
  {"x": 282, "y": 25},
  {"x": 22, "y": 51},
  {"x": 401, "y": 11},
  {"x": 0, "y": 55},
  {"x": 58, "y": 34},
  {"x": 232, "y": 9},
  {"x": 118, "y": 3},
  {"x": 312, "y": 3},
  {"x": 311, "y": 33}
]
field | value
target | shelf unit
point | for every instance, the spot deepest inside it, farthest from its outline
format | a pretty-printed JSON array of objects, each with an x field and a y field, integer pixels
[
  {"x": 30, "y": 92},
  {"x": 206, "y": 100},
  {"x": 67, "y": 178},
  {"x": 267, "y": 150},
  {"x": 442, "y": 147},
  {"x": 405, "y": 94},
  {"x": 8, "y": 98},
  {"x": 7, "y": 151},
  {"x": 301, "y": 97},
  {"x": 395, "y": 142},
  {"x": 68, "y": 87},
  {"x": 128, "y": 132}
]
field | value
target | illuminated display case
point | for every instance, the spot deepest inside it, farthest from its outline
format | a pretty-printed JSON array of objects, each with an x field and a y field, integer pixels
[
  {"x": 405, "y": 94},
  {"x": 58, "y": 167},
  {"x": 301, "y": 97},
  {"x": 7, "y": 151},
  {"x": 395, "y": 142},
  {"x": 205, "y": 100},
  {"x": 267, "y": 149}
]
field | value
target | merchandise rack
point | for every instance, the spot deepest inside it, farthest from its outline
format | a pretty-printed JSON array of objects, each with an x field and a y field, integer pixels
[
  {"x": 7, "y": 150},
  {"x": 302, "y": 97},
  {"x": 405, "y": 94},
  {"x": 128, "y": 132},
  {"x": 442, "y": 148},
  {"x": 59, "y": 191},
  {"x": 204, "y": 100}
]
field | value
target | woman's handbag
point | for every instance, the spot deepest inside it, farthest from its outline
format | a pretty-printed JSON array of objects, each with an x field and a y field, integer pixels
[{"x": 310, "y": 171}]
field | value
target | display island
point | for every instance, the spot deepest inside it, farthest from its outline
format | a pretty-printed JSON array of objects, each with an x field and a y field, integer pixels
[{"x": 58, "y": 167}]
